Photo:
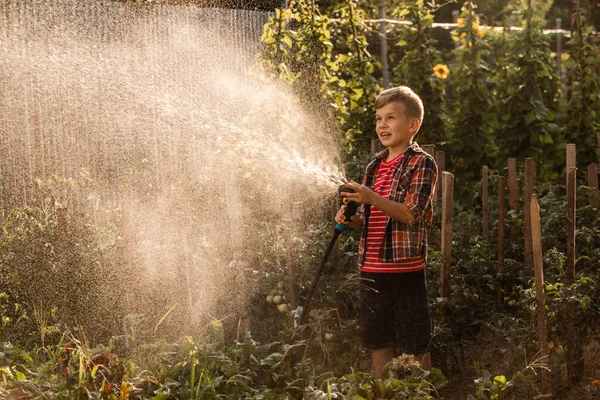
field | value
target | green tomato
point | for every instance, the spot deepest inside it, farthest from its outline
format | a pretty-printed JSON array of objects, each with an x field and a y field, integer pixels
[
  {"x": 283, "y": 307},
  {"x": 558, "y": 350},
  {"x": 269, "y": 299},
  {"x": 277, "y": 299}
]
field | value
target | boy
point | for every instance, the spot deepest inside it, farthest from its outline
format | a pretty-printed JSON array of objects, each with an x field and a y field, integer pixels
[{"x": 396, "y": 193}]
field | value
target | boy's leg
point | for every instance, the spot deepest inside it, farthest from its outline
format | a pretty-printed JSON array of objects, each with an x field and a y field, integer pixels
[
  {"x": 380, "y": 357},
  {"x": 413, "y": 327},
  {"x": 377, "y": 320}
]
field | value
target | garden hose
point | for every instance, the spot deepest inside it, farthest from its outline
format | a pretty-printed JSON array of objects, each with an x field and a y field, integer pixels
[{"x": 351, "y": 208}]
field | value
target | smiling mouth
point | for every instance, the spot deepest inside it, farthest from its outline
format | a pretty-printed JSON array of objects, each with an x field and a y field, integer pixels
[{"x": 385, "y": 134}]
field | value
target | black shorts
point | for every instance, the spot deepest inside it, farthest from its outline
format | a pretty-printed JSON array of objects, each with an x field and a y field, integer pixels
[{"x": 394, "y": 311}]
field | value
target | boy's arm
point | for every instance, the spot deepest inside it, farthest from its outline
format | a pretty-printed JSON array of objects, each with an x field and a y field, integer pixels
[
  {"x": 421, "y": 189},
  {"x": 420, "y": 193},
  {"x": 397, "y": 211}
]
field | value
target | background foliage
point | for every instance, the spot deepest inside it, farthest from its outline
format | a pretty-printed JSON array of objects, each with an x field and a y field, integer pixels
[{"x": 498, "y": 95}]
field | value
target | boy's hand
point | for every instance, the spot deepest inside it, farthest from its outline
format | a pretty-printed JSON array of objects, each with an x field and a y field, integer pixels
[
  {"x": 362, "y": 193},
  {"x": 356, "y": 220}
]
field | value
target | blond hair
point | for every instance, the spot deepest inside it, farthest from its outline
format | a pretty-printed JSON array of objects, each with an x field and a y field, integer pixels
[{"x": 402, "y": 94}]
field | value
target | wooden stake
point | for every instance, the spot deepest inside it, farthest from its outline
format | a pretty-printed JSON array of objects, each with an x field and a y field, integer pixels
[
  {"x": 501, "y": 201},
  {"x": 429, "y": 149},
  {"x": 447, "y": 207},
  {"x": 539, "y": 286},
  {"x": 571, "y": 153},
  {"x": 440, "y": 160},
  {"x": 513, "y": 187},
  {"x": 528, "y": 192},
  {"x": 375, "y": 146},
  {"x": 571, "y": 204},
  {"x": 484, "y": 200},
  {"x": 593, "y": 184},
  {"x": 598, "y": 135},
  {"x": 571, "y": 159}
]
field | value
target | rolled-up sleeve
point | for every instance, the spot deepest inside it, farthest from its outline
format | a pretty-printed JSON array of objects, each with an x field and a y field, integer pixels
[{"x": 422, "y": 187}]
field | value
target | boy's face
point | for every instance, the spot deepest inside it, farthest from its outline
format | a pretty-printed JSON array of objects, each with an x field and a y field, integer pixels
[{"x": 394, "y": 128}]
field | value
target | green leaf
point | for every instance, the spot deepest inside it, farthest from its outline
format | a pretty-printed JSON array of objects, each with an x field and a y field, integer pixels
[
  {"x": 500, "y": 380},
  {"x": 20, "y": 376},
  {"x": 6, "y": 371},
  {"x": 272, "y": 359},
  {"x": 268, "y": 39},
  {"x": 546, "y": 138},
  {"x": 530, "y": 117},
  {"x": 161, "y": 396},
  {"x": 164, "y": 317},
  {"x": 287, "y": 40},
  {"x": 26, "y": 357},
  {"x": 358, "y": 93}
]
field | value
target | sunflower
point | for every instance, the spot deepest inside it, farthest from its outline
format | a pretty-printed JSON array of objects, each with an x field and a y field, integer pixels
[{"x": 441, "y": 71}]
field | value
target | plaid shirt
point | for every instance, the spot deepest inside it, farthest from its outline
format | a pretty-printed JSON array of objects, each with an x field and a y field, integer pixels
[{"x": 413, "y": 184}]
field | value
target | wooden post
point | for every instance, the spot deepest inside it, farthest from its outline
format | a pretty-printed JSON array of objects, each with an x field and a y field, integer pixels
[
  {"x": 513, "y": 188},
  {"x": 440, "y": 160},
  {"x": 375, "y": 146},
  {"x": 447, "y": 207},
  {"x": 571, "y": 204},
  {"x": 539, "y": 287},
  {"x": 571, "y": 159},
  {"x": 528, "y": 192},
  {"x": 501, "y": 201},
  {"x": 574, "y": 349},
  {"x": 571, "y": 153},
  {"x": 593, "y": 184},
  {"x": 429, "y": 149},
  {"x": 485, "y": 208},
  {"x": 559, "y": 51},
  {"x": 384, "y": 55},
  {"x": 598, "y": 140}
]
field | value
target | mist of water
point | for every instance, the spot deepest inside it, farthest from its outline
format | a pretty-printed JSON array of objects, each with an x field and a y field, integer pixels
[{"x": 183, "y": 137}]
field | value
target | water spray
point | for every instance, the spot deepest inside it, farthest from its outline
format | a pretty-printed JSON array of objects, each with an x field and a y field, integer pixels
[{"x": 351, "y": 208}]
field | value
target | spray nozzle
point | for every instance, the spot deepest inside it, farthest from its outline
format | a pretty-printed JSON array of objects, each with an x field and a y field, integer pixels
[{"x": 351, "y": 206}]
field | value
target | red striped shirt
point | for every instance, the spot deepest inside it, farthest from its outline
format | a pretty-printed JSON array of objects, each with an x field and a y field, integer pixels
[{"x": 377, "y": 224}]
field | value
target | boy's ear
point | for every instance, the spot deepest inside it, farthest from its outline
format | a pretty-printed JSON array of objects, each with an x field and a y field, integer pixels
[{"x": 414, "y": 125}]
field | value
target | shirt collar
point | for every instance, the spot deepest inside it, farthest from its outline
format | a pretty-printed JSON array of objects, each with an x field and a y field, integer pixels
[{"x": 414, "y": 146}]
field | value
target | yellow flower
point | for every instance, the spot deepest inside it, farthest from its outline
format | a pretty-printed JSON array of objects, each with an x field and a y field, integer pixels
[
  {"x": 441, "y": 71},
  {"x": 476, "y": 29},
  {"x": 460, "y": 22}
]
